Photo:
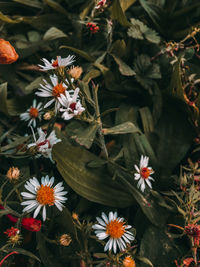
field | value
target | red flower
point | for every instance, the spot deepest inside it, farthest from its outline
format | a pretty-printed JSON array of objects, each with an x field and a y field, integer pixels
[
  {"x": 31, "y": 224},
  {"x": 92, "y": 27},
  {"x": 12, "y": 232},
  {"x": 8, "y": 54}
]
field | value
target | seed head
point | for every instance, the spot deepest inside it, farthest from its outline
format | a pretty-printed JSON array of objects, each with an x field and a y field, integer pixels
[
  {"x": 65, "y": 240},
  {"x": 13, "y": 173}
]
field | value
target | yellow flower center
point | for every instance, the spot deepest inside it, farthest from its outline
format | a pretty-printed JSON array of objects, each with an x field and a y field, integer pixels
[
  {"x": 145, "y": 172},
  {"x": 115, "y": 229},
  {"x": 45, "y": 195},
  {"x": 58, "y": 90},
  {"x": 33, "y": 112}
]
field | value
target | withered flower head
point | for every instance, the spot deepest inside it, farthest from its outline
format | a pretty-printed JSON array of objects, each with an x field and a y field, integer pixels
[
  {"x": 128, "y": 262},
  {"x": 8, "y": 54},
  {"x": 13, "y": 173},
  {"x": 75, "y": 72},
  {"x": 75, "y": 216},
  {"x": 65, "y": 240}
]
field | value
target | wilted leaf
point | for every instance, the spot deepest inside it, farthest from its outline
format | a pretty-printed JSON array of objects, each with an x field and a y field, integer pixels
[
  {"x": 125, "y": 4},
  {"x": 147, "y": 119},
  {"x": 79, "y": 52},
  {"x": 23, "y": 252},
  {"x": 57, "y": 7},
  {"x": 124, "y": 128},
  {"x": 30, "y": 3}
]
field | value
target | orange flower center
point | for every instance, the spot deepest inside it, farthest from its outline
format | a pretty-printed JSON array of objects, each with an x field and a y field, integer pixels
[
  {"x": 115, "y": 229},
  {"x": 45, "y": 195},
  {"x": 55, "y": 63},
  {"x": 145, "y": 172},
  {"x": 33, "y": 112},
  {"x": 128, "y": 262},
  {"x": 58, "y": 90}
]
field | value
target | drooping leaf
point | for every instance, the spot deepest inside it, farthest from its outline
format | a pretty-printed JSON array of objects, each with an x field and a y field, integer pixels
[
  {"x": 125, "y": 4},
  {"x": 24, "y": 252},
  {"x": 30, "y": 3},
  {"x": 147, "y": 119}
]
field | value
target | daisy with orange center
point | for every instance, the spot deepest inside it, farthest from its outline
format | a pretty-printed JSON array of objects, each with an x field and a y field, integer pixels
[
  {"x": 115, "y": 228},
  {"x": 57, "y": 63},
  {"x": 53, "y": 90},
  {"x": 32, "y": 114},
  {"x": 42, "y": 195},
  {"x": 143, "y": 173}
]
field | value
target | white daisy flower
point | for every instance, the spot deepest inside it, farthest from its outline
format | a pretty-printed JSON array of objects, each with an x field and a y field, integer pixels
[
  {"x": 42, "y": 195},
  {"x": 44, "y": 144},
  {"x": 72, "y": 105},
  {"x": 59, "y": 62},
  {"x": 53, "y": 90},
  {"x": 115, "y": 228},
  {"x": 33, "y": 113},
  {"x": 143, "y": 173}
]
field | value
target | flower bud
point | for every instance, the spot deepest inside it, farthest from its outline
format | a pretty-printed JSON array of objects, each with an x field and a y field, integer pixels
[
  {"x": 13, "y": 173},
  {"x": 128, "y": 262},
  {"x": 75, "y": 72},
  {"x": 8, "y": 54},
  {"x": 65, "y": 240}
]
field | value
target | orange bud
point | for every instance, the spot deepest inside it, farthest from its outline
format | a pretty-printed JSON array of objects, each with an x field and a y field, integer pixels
[
  {"x": 8, "y": 54},
  {"x": 128, "y": 262}
]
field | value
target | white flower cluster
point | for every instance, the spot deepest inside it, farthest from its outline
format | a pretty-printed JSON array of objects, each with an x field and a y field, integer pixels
[{"x": 58, "y": 92}]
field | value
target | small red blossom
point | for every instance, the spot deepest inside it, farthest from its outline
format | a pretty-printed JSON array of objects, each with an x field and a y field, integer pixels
[
  {"x": 31, "y": 224},
  {"x": 8, "y": 54},
  {"x": 93, "y": 28},
  {"x": 11, "y": 232},
  {"x": 100, "y": 4},
  {"x": 193, "y": 230}
]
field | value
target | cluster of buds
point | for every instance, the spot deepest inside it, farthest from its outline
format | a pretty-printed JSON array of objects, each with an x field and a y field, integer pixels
[
  {"x": 13, "y": 234},
  {"x": 92, "y": 27}
]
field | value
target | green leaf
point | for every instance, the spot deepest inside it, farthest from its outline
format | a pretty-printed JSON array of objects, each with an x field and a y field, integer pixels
[
  {"x": 57, "y": 7},
  {"x": 30, "y": 3},
  {"x": 162, "y": 250},
  {"x": 147, "y": 119},
  {"x": 33, "y": 85},
  {"x": 83, "y": 134},
  {"x": 125, "y": 4},
  {"x": 53, "y": 33},
  {"x": 3, "y": 98},
  {"x": 123, "y": 67},
  {"x": 139, "y": 30},
  {"x": 118, "y": 14},
  {"x": 146, "y": 71},
  {"x": 94, "y": 185},
  {"x": 79, "y": 52},
  {"x": 96, "y": 163},
  {"x": 124, "y": 128},
  {"x": 23, "y": 252},
  {"x": 119, "y": 48}
]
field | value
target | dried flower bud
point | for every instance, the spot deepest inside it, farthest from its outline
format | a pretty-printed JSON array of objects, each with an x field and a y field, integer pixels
[
  {"x": 128, "y": 262},
  {"x": 75, "y": 72},
  {"x": 13, "y": 173},
  {"x": 8, "y": 54},
  {"x": 75, "y": 216},
  {"x": 65, "y": 240},
  {"x": 31, "y": 224},
  {"x": 48, "y": 115}
]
